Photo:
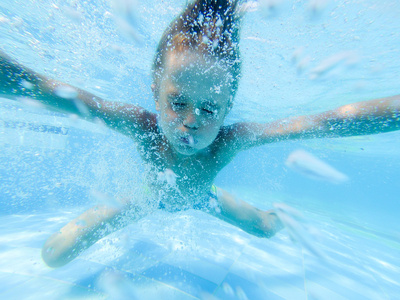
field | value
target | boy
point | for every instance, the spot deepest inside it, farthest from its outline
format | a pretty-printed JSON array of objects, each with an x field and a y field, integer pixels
[{"x": 195, "y": 78}]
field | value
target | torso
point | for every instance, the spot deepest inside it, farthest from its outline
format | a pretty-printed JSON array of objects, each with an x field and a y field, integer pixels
[{"x": 195, "y": 173}]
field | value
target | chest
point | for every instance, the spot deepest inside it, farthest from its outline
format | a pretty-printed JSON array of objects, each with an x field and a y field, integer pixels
[{"x": 193, "y": 174}]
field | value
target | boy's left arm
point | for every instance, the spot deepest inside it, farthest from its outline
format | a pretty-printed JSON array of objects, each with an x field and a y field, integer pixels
[
  {"x": 247, "y": 217},
  {"x": 361, "y": 118}
]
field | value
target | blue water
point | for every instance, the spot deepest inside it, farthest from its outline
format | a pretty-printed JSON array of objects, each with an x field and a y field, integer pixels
[{"x": 51, "y": 164}]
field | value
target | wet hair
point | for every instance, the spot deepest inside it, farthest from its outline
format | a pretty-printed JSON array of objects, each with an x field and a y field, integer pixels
[{"x": 210, "y": 27}]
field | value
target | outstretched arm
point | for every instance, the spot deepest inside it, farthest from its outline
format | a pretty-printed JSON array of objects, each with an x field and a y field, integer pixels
[
  {"x": 18, "y": 81},
  {"x": 247, "y": 217},
  {"x": 82, "y": 232},
  {"x": 361, "y": 118},
  {"x": 79, "y": 234}
]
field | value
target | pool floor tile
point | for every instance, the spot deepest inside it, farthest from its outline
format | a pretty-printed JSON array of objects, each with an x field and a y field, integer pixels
[
  {"x": 199, "y": 267},
  {"x": 180, "y": 279},
  {"x": 9, "y": 280},
  {"x": 46, "y": 288}
]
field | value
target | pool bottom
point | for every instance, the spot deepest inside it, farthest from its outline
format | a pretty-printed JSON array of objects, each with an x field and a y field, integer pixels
[{"x": 190, "y": 255}]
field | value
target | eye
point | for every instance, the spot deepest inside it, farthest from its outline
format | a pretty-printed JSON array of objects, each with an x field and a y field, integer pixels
[
  {"x": 177, "y": 102},
  {"x": 178, "y": 105},
  {"x": 208, "y": 111}
]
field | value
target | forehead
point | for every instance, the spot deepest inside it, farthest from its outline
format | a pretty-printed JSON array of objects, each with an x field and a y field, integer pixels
[{"x": 193, "y": 71}]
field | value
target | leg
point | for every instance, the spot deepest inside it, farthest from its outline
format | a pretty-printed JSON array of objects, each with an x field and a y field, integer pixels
[
  {"x": 246, "y": 217},
  {"x": 82, "y": 232}
]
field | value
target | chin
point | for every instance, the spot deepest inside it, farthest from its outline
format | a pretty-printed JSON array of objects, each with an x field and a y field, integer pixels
[{"x": 186, "y": 150}]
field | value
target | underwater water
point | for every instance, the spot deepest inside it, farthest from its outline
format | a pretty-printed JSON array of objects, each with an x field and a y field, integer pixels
[{"x": 299, "y": 57}]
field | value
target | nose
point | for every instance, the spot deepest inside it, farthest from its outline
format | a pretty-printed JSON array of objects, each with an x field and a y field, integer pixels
[{"x": 191, "y": 120}]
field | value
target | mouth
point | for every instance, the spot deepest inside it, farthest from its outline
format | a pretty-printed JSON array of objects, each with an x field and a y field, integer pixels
[{"x": 188, "y": 140}]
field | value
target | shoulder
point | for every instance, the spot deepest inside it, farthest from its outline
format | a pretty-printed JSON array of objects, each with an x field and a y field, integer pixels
[
  {"x": 128, "y": 119},
  {"x": 244, "y": 135},
  {"x": 229, "y": 142},
  {"x": 239, "y": 135}
]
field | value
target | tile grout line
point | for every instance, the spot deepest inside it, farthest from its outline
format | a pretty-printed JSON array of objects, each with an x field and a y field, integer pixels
[{"x": 228, "y": 270}]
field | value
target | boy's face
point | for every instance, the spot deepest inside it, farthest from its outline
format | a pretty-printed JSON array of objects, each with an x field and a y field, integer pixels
[{"x": 193, "y": 100}]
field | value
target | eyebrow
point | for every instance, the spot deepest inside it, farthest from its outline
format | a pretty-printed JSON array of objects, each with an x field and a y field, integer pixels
[{"x": 176, "y": 96}]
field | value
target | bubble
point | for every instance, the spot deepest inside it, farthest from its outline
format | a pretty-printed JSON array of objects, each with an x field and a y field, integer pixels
[
  {"x": 205, "y": 40},
  {"x": 26, "y": 84},
  {"x": 311, "y": 166},
  {"x": 219, "y": 23},
  {"x": 217, "y": 89},
  {"x": 66, "y": 92},
  {"x": 215, "y": 44},
  {"x": 191, "y": 140}
]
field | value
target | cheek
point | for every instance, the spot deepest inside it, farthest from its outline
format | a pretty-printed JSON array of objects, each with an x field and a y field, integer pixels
[
  {"x": 214, "y": 123},
  {"x": 168, "y": 115},
  {"x": 169, "y": 120},
  {"x": 212, "y": 128}
]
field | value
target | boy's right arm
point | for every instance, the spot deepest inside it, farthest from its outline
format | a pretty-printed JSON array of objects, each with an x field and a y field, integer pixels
[
  {"x": 18, "y": 81},
  {"x": 79, "y": 234}
]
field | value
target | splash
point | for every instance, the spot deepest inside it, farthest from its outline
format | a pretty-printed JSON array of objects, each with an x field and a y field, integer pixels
[
  {"x": 298, "y": 230},
  {"x": 168, "y": 176}
]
